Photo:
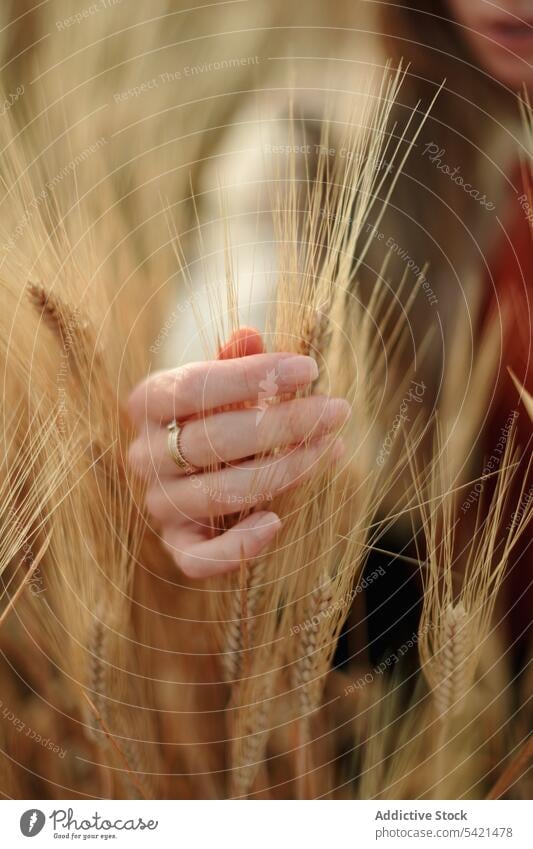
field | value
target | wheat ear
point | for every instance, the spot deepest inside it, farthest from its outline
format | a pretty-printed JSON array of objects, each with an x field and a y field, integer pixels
[
  {"x": 98, "y": 713},
  {"x": 244, "y": 605},
  {"x": 451, "y": 662},
  {"x": 308, "y": 679},
  {"x": 306, "y": 668},
  {"x": 315, "y": 337},
  {"x": 119, "y": 749},
  {"x": 452, "y": 680},
  {"x": 249, "y": 738},
  {"x": 74, "y": 330},
  {"x": 59, "y": 317}
]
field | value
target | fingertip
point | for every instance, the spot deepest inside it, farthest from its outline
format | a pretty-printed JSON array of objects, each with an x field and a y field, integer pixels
[
  {"x": 243, "y": 342},
  {"x": 266, "y": 525},
  {"x": 134, "y": 456},
  {"x": 338, "y": 449}
]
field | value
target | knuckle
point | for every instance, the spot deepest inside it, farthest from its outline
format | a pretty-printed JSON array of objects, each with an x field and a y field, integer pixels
[
  {"x": 192, "y": 440},
  {"x": 212, "y": 437},
  {"x": 316, "y": 420},
  {"x": 246, "y": 375},
  {"x": 294, "y": 416},
  {"x": 201, "y": 440},
  {"x": 185, "y": 384}
]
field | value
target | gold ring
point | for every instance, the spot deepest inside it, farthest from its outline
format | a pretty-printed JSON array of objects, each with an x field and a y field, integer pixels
[{"x": 174, "y": 447}]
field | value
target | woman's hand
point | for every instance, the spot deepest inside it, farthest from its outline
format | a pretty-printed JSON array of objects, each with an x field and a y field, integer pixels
[{"x": 221, "y": 446}]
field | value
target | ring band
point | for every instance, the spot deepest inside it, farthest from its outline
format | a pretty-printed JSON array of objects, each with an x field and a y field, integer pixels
[{"x": 174, "y": 448}]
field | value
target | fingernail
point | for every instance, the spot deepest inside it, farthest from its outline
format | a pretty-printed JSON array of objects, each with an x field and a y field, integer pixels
[
  {"x": 298, "y": 369},
  {"x": 266, "y": 526}
]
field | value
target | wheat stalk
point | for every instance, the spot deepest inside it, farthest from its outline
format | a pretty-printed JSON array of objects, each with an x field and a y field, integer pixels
[
  {"x": 26, "y": 580},
  {"x": 98, "y": 665},
  {"x": 527, "y": 398},
  {"x": 119, "y": 748},
  {"x": 526, "y": 112},
  {"x": 98, "y": 684},
  {"x": 456, "y": 622},
  {"x": 514, "y": 770}
]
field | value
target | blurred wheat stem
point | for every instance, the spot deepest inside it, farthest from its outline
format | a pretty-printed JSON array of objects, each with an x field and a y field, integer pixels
[
  {"x": 527, "y": 398},
  {"x": 518, "y": 767},
  {"x": 27, "y": 578},
  {"x": 112, "y": 740}
]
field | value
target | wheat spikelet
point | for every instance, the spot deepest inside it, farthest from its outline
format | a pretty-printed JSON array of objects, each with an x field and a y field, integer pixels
[
  {"x": 306, "y": 669},
  {"x": 250, "y": 737},
  {"x": 121, "y": 750},
  {"x": 97, "y": 667},
  {"x": 452, "y": 680},
  {"x": 74, "y": 331},
  {"x": 231, "y": 657},
  {"x": 309, "y": 674},
  {"x": 101, "y": 708},
  {"x": 59, "y": 318},
  {"x": 233, "y": 628},
  {"x": 314, "y": 338},
  {"x": 247, "y": 755}
]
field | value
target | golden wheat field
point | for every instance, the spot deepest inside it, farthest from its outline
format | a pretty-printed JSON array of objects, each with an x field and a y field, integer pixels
[{"x": 265, "y": 338}]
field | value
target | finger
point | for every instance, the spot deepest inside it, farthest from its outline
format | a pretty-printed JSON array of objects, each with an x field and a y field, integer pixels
[
  {"x": 199, "y": 557},
  {"x": 243, "y": 343},
  {"x": 230, "y": 436},
  {"x": 239, "y": 487},
  {"x": 200, "y": 387}
]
